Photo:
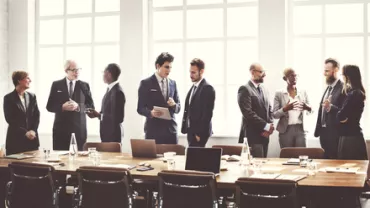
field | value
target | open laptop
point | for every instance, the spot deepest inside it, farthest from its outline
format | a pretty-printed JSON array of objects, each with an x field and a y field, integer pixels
[
  {"x": 144, "y": 148},
  {"x": 203, "y": 159}
]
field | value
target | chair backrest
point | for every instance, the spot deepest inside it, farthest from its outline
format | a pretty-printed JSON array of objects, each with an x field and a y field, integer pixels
[
  {"x": 104, "y": 187},
  {"x": 162, "y": 148},
  {"x": 295, "y": 152},
  {"x": 253, "y": 193},
  {"x": 31, "y": 185},
  {"x": 230, "y": 149},
  {"x": 187, "y": 189},
  {"x": 103, "y": 146}
]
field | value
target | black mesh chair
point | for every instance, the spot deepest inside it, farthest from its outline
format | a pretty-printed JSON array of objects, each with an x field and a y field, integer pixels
[
  {"x": 266, "y": 193},
  {"x": 182, "y": 189},
  {"x": 101, "y": 187},
  {"x": 31, "y": 185}
]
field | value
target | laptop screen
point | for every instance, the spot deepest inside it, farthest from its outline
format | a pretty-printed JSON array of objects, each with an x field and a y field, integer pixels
[{"x": 203, "y": 159}]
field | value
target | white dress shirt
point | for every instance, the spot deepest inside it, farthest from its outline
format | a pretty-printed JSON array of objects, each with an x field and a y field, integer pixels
[
  {"x": 195, "y": 84},
  {"x": 73, "y": 84},
  {"x": 159, "y": 78},
  {"x": 111, "y": 85},
  {"x": 295, "y": 114}
]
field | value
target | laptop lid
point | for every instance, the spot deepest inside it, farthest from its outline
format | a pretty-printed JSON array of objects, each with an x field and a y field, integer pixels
[
  {"x": 143, "y": 148},
  {"x": 203, "y": 159}
]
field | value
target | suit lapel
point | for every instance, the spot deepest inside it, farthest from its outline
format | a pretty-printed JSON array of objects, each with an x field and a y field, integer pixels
[
  {"x": 64, "y": 87},
  {"x": 261, "y": 100},
  {"x": 198, "y": 90},
  {"x": 18, "y": 102},
  {"x": 27, "y": 100}
]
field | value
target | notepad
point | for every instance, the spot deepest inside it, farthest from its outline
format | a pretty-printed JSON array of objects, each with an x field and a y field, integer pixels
[
  {"x": 130, "y": 167},
  {"x": 265, "y": 175},
  {"x": 341, "y": 170},
  {"x": 230, "y": 158},
  {"x": 291, "y": 177},
  {"x": 19, "y": 156}
]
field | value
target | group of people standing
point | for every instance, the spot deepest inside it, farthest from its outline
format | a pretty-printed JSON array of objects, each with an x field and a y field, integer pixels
[
  {"x": 338, "y": 123},
  {"x": 339, "y": 114}
]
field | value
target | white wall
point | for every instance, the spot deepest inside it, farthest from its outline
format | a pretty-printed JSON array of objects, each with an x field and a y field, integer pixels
[{"x": 4, "y": 73}]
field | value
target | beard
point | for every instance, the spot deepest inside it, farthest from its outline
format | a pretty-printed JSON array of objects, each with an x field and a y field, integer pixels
[
  {"x": 330, "y": 80},
  {"x": 259, "y": 80}
]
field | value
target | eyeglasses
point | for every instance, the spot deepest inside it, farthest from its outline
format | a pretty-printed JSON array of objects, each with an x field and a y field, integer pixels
[
  {"x": 260, "y": 71},
  {"x": 75, "y": 70},
  {"x": 293, "y": 75}
]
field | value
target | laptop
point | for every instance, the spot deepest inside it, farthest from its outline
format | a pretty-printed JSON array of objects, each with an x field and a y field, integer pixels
[
  {"x": 144, "y": 148},
  {"x": 203, "y": 159}
]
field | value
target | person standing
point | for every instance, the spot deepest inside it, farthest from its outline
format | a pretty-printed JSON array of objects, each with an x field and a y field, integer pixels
[
  {"x": 23, "y": 116},
  {"x": 352, "y": 144},
  {"x": 199, "y": 105},
  {"x": 158, "y": 90},
  {"x": 327, "y": 126},
  {"x": 113, "y": 106},
  {"x": 69, "y": 99},
  {"x": 289, "y": 106},
  {"x": 255, "y": 107}
]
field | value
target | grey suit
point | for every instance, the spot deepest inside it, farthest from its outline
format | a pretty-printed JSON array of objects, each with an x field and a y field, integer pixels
[
  {"x": 256, "y": 111},
  {"x": 289, "y": 135}
]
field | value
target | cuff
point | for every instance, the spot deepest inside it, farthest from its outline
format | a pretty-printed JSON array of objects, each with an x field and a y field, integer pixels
[{"x": 267, "y": 127}]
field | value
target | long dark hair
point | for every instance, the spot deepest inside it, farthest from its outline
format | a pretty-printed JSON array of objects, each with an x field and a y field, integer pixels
[{"x": 353, "y": 79}]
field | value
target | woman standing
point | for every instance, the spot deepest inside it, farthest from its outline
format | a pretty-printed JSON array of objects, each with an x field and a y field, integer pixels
[
  {"x": 22, "y": 115},
  {"x": 352, "y": 144},
  {"x": 289, "y": 104}
]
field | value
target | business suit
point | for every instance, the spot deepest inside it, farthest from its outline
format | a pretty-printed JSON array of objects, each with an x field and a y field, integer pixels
[
  {"x": 21, "y": 119},
  {"x": 329, "y": 135},
  {"x": 113, "y": 113},
  {"x": 352, "y": 144},
  {"x": 290, "y": 135},
  {"x": 68, "y": 122},
  {"x": 163, "y": 131},
  {"x": 257, "y": 112},
  {"x": 198, "y": 114}
]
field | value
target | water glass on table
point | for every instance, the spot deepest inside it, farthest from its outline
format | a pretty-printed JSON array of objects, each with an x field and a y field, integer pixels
[
  {"x": 96, "y": 157},
  {"x": 303, "y": 159},
  {"x": 92, "y": 151}
]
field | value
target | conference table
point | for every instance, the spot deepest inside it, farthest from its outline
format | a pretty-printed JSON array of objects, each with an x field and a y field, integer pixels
[{"x": 322, "y": 182}]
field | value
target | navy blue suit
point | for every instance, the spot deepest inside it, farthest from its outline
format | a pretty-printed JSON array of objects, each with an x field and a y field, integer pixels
[{"x": 163, "y": 131}]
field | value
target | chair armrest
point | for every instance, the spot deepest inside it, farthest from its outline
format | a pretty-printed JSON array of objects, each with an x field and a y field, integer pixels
[
  {"x": 56, "y": 196},
  {"x": 76, "y": 198},
  {"x": 8, "y": 193}
]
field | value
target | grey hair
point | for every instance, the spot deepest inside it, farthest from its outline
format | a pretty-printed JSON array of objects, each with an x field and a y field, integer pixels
[{"x": 68, "y": 63}]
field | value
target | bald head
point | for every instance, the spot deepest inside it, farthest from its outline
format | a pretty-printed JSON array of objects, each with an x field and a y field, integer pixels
[{"x": 257, "y": 72}]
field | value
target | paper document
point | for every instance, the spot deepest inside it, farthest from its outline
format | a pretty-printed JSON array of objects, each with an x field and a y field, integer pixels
[{"x": 165, "y": 113}]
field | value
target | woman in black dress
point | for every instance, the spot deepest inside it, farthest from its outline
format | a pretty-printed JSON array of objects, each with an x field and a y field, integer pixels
[
  {"x": 22, "y": 115},
  {"x": 352, "y": 144}
]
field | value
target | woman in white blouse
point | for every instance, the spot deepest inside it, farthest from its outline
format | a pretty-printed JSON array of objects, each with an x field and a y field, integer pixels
[{"x": 289, "y": 104}]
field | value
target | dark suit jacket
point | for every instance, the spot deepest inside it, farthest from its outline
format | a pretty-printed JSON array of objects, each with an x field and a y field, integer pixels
[
  {"x": 337, "y": 100},
  {"x": 113, "y": 110},
  {"x": 67, "y": 122},
  {"x": 200, "y": 111},
  {"x": 256, "y": 112},
  {"x": 20, "y": 121},
  {"x": 150, "y": 95}
]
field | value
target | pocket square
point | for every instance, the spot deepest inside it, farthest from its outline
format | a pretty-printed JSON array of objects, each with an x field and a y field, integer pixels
[
  {"x": 153, "y": 90},
  {"x": 59, "y": 91}
]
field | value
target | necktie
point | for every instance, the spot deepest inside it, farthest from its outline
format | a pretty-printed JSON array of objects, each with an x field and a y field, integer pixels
[
  {"x": 70, "y": 89},
  {"x": 193, "y": 93},
  {"x": 163, "y": 89},
  {"x": 324, "y": 113},
  {"x": 260, "y": 92}
]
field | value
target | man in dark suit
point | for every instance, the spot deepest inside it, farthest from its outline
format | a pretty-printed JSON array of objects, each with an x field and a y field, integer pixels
[
  {"x": 158, "y": 90},
  {"x": 254, "y": 104},
  {"x": 113, "y": 106},
  {"x": 69, "y": 99},
  {"x": 199, "y": 104},
  {"x": 22, "y": 115},
  {"x": 327, "y": 126}
]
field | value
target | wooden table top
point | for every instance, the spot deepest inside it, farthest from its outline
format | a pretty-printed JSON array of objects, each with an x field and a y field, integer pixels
[{"x": 226, "y": 178}]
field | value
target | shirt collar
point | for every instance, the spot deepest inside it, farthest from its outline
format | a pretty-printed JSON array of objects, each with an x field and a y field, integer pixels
[
  {"x": 111, "y": 85},
  {"x": 196, "y": 84},
  {"x": 334, "y": 83},
  {"x": 255, "y": 84},
  {"x": 159, "y": 78},
  {"x": 73, "y": 81}
]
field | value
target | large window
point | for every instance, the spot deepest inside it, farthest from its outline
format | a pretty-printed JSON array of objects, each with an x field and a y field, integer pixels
[
  {"x": 223, "y": 33},
  {"x": 320, "y": 29},
  {"x": 83, "y": 30}
]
